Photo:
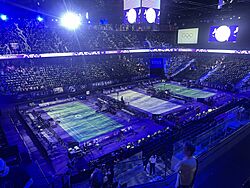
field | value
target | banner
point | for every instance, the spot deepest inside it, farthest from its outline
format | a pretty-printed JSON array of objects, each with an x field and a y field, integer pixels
[{"x": 58, "y": 90}]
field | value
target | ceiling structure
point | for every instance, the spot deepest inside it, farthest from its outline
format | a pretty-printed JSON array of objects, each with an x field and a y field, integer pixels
[
  {"x": 171, "y": 10},
  {"x": 97, "y": 9},
  {"x": 174, "y": 10}
]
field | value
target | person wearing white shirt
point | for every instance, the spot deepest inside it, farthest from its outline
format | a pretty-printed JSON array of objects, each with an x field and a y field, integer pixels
[
  {"x": 186, "y": 168},
  {"x": 152, "y": 162}
]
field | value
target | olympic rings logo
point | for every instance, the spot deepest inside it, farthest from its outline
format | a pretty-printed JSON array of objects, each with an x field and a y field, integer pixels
[{"x": 187, "y": 35}]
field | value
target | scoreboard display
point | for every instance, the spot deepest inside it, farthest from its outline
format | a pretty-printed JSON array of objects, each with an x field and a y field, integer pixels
[{"x": 142, "y": 11}]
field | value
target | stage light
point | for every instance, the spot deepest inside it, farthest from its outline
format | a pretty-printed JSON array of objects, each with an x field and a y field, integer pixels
[
  {"x": 39, "y": 18},
  {"x": 3, "y": 17},
  {"x": 71, "y": 20}
]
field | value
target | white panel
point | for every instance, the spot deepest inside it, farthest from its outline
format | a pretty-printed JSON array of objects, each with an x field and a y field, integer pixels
[
  {"x": 188, "y": 36},
  {"x": 129, "y": 4},
  {"x": 156, "y": 4}
]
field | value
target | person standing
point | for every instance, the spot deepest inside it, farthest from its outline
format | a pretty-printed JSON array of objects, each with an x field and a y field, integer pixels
[
  {"x": 66, "y": 180},
  {"x": 186, "y": 168},
  {"x": 96, "y": 178},
  {"x": 4, "y": 172},
  {"x": 4, "y": 169},
  {"x": 152, "y": 161},
  {"x": 145, "y": 163},
  {"x": 21, "y": 177},
  {"x": 122, "y": 100}
]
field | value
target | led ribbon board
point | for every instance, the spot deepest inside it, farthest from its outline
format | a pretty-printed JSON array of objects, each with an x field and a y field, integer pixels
[{"x": 92, "y": 53}]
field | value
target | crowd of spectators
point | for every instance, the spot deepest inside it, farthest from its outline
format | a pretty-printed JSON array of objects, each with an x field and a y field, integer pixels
[
  {"x": 31, "y": 36},
  {"x": 76, "y": 74},
  {"x": 21, "y": 77},
  {"x": 245, "y": 86},
  {"x": 178, "y": 61},
  {"x": 201, "y": 65},
  {"x": 219, "y": 71},
  {"x": 231, "y": 71}
]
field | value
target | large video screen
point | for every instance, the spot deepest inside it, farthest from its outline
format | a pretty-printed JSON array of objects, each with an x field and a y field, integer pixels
[
  {"x": 130, "y": 4},
  {"x": 223, "y": 33},
  {"x": 132, "y": 16},
  {"x": 151, "y": 15},
  {"x": 142, "y": 11},
  {"x": 151, "y": 11},
  {"x": 188, "y": 36}
]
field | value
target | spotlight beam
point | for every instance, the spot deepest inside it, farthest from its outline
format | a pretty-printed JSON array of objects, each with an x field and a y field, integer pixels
[{"x": 71, "y": 20}]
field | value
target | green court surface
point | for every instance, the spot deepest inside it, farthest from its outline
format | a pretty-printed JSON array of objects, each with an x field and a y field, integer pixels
[
  {"x": 183, "y": 91},
  {"x": 80, "y": 121}
]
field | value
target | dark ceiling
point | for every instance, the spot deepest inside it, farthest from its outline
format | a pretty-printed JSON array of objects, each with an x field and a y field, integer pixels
[
  {"x": 171, "y": 10},
  {"x": 98, "y": 9},
  {"x": 193, "y": 10}
]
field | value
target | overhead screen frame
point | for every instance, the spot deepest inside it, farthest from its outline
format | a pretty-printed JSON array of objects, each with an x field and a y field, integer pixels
[
  {"x": 130, "y": 4},
  {"x": 156, "y": 4}
]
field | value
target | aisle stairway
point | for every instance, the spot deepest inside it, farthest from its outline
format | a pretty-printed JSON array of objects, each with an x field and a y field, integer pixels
[
  {"x": 240, "y": 85},
  {"x": 203, "y": 78},
  {"x": 186, "y": 66}
]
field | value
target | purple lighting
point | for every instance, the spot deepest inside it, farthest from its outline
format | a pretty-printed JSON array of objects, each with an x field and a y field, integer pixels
[{"x": 91, "y": 53}]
